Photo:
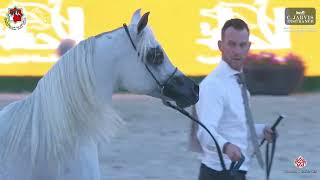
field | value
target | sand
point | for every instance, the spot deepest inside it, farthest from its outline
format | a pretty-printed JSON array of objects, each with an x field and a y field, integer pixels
[{"x": 154, "y": 143}]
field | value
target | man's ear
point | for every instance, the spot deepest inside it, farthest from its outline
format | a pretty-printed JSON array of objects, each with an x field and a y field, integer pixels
[
  {"x": 220, "y": 45},
  {"x": 249, "y": 45},
  {"x": 143, "y": 22}
]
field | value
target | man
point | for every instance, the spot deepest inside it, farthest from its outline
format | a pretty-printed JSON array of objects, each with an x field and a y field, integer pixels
[{"x": 222, "y": 109}]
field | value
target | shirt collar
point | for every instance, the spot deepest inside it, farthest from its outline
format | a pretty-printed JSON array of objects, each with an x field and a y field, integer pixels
[{"x": 226, "y": 70}]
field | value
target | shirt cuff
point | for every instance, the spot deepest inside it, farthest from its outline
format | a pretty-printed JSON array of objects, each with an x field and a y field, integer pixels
[{"x": 260, "y": 130}]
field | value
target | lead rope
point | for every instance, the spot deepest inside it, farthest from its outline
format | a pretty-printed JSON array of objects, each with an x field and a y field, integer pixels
[
  {"x": 269, "y": 157},
  {"x": 234, "y": 165}
]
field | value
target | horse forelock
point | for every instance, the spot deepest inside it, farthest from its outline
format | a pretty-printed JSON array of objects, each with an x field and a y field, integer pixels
[{"x": 146, "y": 41}]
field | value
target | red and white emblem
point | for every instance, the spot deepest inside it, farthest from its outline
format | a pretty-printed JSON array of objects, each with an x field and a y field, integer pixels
[
  {"x": 15, "y": 18},
  {"x": 300, "y": 162}
]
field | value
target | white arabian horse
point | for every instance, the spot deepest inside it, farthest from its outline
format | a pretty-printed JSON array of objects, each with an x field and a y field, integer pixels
[{"x": 52, "y": 134}]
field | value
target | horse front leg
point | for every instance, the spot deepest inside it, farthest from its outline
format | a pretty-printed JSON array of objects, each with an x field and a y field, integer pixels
[{"x": 85, "y": 165}]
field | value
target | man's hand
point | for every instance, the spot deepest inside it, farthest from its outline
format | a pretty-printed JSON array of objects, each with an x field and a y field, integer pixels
[
  {"x": 269, "y": 133},
  {"x": 233, "y": 151}
]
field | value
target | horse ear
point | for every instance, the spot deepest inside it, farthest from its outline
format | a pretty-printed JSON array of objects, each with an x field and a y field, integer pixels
[
  {"x": 136, "y": 17},
  {"x": 143, "y": 22}
]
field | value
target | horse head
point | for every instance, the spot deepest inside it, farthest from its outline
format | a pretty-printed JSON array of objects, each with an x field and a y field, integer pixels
[{"x": 144, "y": 67}]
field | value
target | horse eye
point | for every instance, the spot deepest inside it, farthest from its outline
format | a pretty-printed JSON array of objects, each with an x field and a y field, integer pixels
[{"x": 155, "y": 56}]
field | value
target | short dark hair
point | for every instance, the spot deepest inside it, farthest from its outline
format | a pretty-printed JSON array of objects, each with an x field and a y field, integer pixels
[{"x": 236, "y": 23}]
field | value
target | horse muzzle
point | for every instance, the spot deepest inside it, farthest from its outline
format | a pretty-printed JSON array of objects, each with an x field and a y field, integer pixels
[{"x": 182, "y": 90}]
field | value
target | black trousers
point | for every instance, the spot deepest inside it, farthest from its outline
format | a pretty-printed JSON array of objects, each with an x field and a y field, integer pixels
[{"x": 207, "y": 173}]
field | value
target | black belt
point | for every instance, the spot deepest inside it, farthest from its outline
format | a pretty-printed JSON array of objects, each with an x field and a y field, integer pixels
[
  {"x": 215, "y": 171},
  {"x": 207, "y": 173}
]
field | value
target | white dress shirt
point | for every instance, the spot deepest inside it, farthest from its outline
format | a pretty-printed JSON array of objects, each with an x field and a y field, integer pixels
[{"x": 220, "y": 108}]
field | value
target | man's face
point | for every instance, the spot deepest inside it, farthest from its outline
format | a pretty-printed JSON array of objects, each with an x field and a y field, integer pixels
[{"x": 234, "y": 47}]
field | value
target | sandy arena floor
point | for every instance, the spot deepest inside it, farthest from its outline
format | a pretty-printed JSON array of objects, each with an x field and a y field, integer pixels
[{"x": 154, "y": 144}]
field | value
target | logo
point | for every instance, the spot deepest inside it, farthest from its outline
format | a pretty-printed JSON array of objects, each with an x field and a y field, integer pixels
[
  {"x": 300, "y": 162},
  {"x": 15, "y": 18},
  {"x": 300, "y": 16}
]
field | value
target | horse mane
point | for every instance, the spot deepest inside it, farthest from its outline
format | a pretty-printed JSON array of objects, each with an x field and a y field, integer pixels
[
  {"x": 61, "y": 111},
  {"x": 108, "y": 32}
]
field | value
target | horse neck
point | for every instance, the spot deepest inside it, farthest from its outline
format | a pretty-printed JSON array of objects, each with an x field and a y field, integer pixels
[{"x": 110, "y": 49}]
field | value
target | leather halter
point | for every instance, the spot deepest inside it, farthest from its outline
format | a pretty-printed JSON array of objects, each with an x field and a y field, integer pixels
[{"x": 160, "y": 85}]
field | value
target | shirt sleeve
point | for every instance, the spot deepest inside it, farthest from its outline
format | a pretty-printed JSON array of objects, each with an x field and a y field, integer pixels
[{"x": 209, "y": 110}]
